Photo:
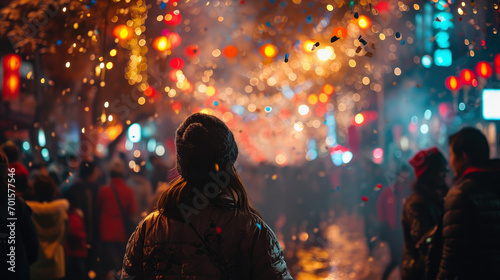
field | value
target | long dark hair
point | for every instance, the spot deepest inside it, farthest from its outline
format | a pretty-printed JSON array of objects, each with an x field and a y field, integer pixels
[{"x": 181, "y": 192}]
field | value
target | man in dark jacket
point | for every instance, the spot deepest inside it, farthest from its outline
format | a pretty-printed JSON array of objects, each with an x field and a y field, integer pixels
[{"x": 471, "y": 224}]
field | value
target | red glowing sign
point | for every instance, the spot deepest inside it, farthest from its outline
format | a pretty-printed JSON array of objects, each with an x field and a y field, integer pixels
[
  {"x": 453, "y": 83},
  {"x": 11, "y": 79},
  {"x": 467, "y": 77},
  {"x": 484, "y": 69}
]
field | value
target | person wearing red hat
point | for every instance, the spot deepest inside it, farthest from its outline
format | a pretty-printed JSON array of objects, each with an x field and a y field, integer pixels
[{"x": 422, "y": 216}]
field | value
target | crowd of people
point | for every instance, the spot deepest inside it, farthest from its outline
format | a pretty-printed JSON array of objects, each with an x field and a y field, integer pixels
[{"x": 206, "y": 216}]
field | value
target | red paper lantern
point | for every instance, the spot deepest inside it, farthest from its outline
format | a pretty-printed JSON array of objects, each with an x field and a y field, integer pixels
[
  {"x": 192, "y": 50},
  {"x": 496, "y": 62},
  {"x": 268, "y": 50},
  {"x": 177, "y": 63},
  {"x": 230, "y": 51},
  {"x": 11, "y": 79},
  {"x": 453, "y": 83},
  {"x": 484, "y": 70},
  {"x": 173, "y": 18},
  {"x": 467, "y": 77},
  {"x": 123, "y": 32},
  {"x": 340, "y": 32},
  {"x": 175, "y": 39},
  {"x": 162, "y": 44}
]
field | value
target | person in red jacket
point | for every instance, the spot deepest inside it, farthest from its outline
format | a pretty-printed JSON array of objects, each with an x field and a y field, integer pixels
[
  {"x": 114, "y": 214},
  {"x": 76, "y": 244}
]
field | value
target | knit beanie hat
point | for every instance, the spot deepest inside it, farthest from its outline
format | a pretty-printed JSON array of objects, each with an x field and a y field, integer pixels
[
  {"x": 427, "y": 160},
  {"x": 203, "y": 144}
]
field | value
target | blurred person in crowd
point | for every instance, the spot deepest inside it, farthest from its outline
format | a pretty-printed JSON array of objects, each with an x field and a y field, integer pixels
[
  {"x": 389, "y": 210},
  {"x": 142, "y": 189},
  {"x": 205, "y": 226},
  {"x": 84, "y": 187},
  {"x": 76, "y": 243},
  {"x": 117, "y": 207},
  {"x": 471, "y": 223},
  {"x": 70, "y": 174},
  {"x": 50, "y": 218},
  {"x": 369, "y": 182},
  {"x": 422, "y": 216},
  {"x": 26, "y": 238},
  {"x": 21, "y": 174},
  {"x": 159, "y": 173}
]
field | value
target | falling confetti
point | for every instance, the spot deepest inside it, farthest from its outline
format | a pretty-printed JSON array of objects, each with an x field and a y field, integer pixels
[
  {"x": 398, "y": 35},
  {"x": 379, "y": 186},
  {"x": 359, "y": 49},
  {"x": 315, "y": 46},
  {"x": 364, "y": 198},
  {"x": 369, "y": 54},
  {"x": 259, "y": 226},
  {"x": 333, "y": 39},
  {"x": 286, "y": 57},
  {"x": 438, "y": 19},
  {"x": 356, "y": 15},
  {"x": 219, "y": 230},
  {"x": 362, "y": 41}
]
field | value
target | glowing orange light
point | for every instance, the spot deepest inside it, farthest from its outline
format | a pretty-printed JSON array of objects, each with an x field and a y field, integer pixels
[
  {"x": 340, "y": 32},
  {"x": 312, "y": 99},
  {"x": 453, "y": 83},
  {"x": 176, "y": 106},
  {"x": 123, "y": 32},
  {"x": 174, "y": 39},
  {"x": 359, "y": 118},
  {"x": 12, "y": 62},
  {"x": 13, "y": 83},
  {"x": 328, "y": 89},
  {"x": 192, "y": 50},
  {"x": 323, "y": 98},
  {"x": 150, "y": 91},
  {"x": 364, "y": 22},
  {"x": 113, "y": 131},
  {"x": 211, "y": 91},
  {"x": 308, "y": 45},
  {"x": 467, "y": 76},
  {"x": 230, "y": 51},
  {"x": 268, "y": 50},
  {"x": 162, "y": 44},
  {"x": 11, "y": 79},
  {"x": 484, "y": 69}
]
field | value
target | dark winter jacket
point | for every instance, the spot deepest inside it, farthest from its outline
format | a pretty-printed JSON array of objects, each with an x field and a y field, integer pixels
[
  {"x": 26, "y": 240},
  {"x": 422, "y": 240},
  {"x": 236, "y": 244},
  {"x": 471, "y": 227}
]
